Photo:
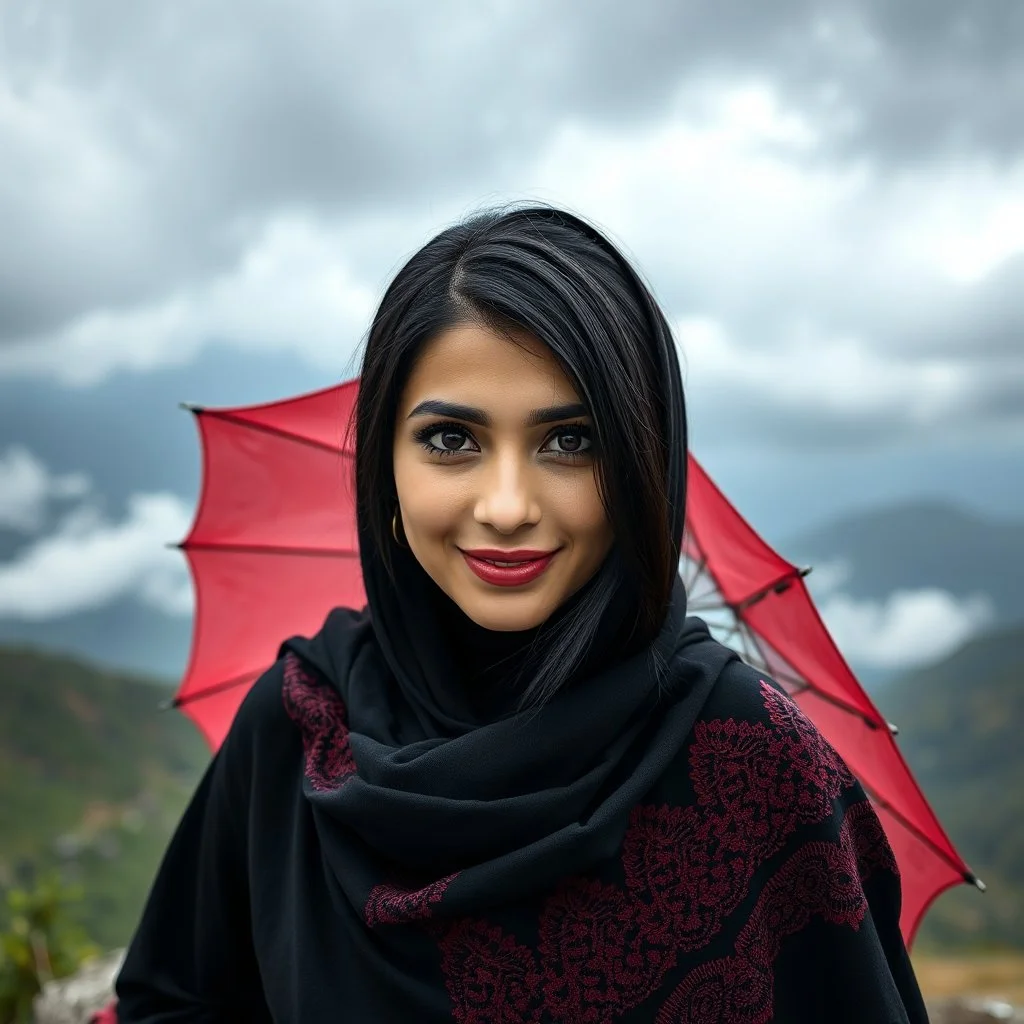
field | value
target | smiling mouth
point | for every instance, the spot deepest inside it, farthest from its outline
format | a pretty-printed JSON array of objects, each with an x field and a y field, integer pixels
[{"x": 508, "y": 569}]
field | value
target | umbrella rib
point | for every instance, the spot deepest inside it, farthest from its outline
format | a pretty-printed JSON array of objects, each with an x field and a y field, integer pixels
[
  {"x": 698, "y": 569},
  {"x": 807, "y": 684},
  {"x": 269, "y": 549},
  {"x": 967, "y": 875},
  {"x": 751, "y": 599},
  {"x": 209, "y": 691},
  {"x": 777, "y": 586},
  {"x": 287, "y": 435}
]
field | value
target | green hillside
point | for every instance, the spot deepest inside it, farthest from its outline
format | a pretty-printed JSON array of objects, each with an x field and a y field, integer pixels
[
  {"x": 92, "y": 779},
  {"x": 961, "y": 725}
]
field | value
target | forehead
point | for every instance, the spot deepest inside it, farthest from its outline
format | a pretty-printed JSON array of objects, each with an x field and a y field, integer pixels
[{"x": 473, "y": 364}]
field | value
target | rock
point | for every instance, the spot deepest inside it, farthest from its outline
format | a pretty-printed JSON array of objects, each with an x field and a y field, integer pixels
[
  {"x": 973, "y": 1011},
  {"x": 74, "y": 999}
]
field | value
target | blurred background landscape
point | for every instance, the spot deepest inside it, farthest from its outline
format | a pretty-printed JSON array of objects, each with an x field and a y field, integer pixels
[{"x": 203, "y": 203}]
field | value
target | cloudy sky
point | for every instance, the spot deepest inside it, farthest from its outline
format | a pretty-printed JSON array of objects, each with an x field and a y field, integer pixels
[{"x": 203, "y": 201}]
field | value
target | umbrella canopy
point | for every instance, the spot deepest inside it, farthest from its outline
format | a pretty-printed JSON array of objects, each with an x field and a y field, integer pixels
[{"x": 274, "y": 547}]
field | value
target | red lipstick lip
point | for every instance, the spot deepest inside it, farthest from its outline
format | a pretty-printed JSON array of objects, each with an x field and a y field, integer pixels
[
  {"x": 533, "y": 564},
  {"x": 499, "y": 555}
]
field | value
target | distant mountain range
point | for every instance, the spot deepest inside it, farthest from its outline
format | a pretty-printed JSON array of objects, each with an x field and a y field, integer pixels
[
  {"x": 125, "y": 635},
  {"x": 922, "y": 545},
  {"x": 908, "y": 547}
]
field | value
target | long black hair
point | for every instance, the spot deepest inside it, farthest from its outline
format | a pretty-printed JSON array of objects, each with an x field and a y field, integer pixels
[{"x": 548, "y": 273}]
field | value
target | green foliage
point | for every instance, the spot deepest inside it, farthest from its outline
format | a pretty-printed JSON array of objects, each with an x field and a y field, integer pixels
[
  {"x": 39, "y": 942},
  {"x": 961, "y": 723},
  {"x": 93, "y": 778}
]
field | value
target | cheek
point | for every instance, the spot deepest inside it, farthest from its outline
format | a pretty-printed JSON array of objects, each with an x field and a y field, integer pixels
[
  {"x": 581, "y": 513},
  {"x": 429, "y": 503}
]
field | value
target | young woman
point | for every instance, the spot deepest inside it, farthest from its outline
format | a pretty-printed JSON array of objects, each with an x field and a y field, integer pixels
[{"x": 522, "y": 785}]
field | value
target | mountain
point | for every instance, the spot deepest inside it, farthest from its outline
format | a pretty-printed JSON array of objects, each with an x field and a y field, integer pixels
[
  {"x": 922, "y": 545},
  {"x": 126, "y": 634},
  {"x": 93, "y": 778},
  {"x": 960, "y": 724}
]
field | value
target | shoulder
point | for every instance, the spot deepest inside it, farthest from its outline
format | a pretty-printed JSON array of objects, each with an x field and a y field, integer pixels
[
  {"x": 746, "y": 694},
  {"x": 752, "y": 741}
]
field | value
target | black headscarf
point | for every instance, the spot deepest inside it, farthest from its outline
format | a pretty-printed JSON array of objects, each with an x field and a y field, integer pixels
[{"x": 452, "y": 775}]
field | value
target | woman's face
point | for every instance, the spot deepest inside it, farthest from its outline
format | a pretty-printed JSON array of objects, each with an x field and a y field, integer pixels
[{"x": 493, "y": 464}]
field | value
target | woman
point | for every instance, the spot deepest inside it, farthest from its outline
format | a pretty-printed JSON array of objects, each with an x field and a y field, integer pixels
[{"x": 522, "y": 785}]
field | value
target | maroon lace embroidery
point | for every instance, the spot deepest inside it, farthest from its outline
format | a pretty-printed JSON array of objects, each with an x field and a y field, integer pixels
[
  {"x": 815, "y": 758},
  {"x": 491, "y": 978},
  {"x": 606, "y": 949},
  {"x": 679, "y": 888},
  {"x": 726, "y": 991},
  {"x": 597, "y": 960},
  {"x": 872, "y": 844},
  {"x": 819, "y": 880},
  {"x": 689, "y": 868},
  {"x": 320, "y": 715},
  {"x": 391, "y": 904}
]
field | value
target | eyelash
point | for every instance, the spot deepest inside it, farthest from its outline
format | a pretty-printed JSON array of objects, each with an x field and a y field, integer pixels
[{"x": 424, "y": 434}]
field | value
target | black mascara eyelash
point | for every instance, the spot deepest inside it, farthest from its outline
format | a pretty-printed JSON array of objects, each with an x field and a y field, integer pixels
[
  {"x": 425, "y": 433},
  {"x": 583, "y": 430}
]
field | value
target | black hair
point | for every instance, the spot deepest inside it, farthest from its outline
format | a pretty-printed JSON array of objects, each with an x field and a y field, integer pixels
[{"x": 548, "y": 273}]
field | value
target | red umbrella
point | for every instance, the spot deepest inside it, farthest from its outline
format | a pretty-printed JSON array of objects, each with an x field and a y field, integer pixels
[{"x": 274, "y": 547}]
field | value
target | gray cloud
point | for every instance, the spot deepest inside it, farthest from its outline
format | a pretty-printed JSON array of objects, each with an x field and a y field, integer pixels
[
  {"x": 144, "y": 147},
  {"x": 985, "y": 319}
]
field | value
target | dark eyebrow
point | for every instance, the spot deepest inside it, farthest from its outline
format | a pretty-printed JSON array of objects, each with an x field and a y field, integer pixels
[
  {"x": 434, "y": 407},
  {"x": 554, "y": 413},
  {"x": 469, "y": 414}
]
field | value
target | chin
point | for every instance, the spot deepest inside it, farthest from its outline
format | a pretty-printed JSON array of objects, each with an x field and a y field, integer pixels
[{"x": 490, "y": 614}]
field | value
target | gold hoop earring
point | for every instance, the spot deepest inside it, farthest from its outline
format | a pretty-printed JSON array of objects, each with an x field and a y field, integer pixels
[{"x": 394, "y": 529}]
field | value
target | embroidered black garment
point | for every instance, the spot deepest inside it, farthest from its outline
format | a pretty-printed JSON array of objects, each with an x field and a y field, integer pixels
[{"x": 749, "y": 881}]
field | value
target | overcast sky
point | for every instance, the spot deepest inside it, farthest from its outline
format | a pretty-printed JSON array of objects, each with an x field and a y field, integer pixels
[{"x": 203, "y": 201}]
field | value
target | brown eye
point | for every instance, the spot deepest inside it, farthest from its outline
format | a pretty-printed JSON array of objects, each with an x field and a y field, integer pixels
[
  {"x": 451, "y": 440},
  {"x": 574, "y": 441},
  {"x": 446, "y": 439}
]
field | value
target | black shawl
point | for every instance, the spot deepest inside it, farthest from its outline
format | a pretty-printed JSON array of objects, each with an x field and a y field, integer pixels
[{"x": 649, "y": 846}]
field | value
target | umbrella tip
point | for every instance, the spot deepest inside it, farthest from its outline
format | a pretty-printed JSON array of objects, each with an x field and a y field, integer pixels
[
  {"x": 190, "y": 407},
  {"x": 168, "y": 705},
  {"x": 175, "y": 545},
  {"x": 974, "y": 880},
  {"x": 806, "y": 571},
  {"x": 894, "y": 729}
]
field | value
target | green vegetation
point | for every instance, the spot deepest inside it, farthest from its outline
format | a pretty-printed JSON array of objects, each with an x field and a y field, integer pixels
[
  {"x": 93, "y": 779},
  {"x": 38, "y": 942},
  {"x": 961, "y": 723}
]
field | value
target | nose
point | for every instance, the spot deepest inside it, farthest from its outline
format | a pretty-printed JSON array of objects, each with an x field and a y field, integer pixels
[{"x": 506, "y": 500}]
